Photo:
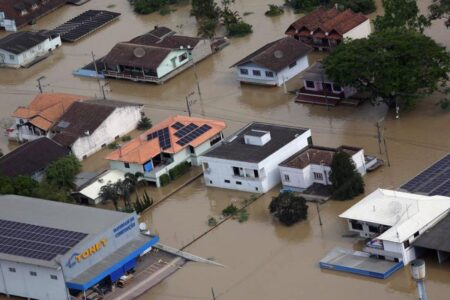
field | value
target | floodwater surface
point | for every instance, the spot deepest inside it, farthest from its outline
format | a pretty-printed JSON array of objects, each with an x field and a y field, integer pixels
[{"x": 263, "y": 259}]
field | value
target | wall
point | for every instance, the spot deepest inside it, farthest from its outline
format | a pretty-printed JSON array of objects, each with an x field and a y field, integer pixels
[
  {"x": 360, "y": 162},
  {"x": 250, "y": 78},
  {"x": 361, "y": 31},
  {"x": 287, "y": 73},
  {"x": 41, "y": 286},
  {"x": 24, "y": 133},
  {"x": 166, "y": 66},
  {"x": 120, "y": 122},
  {"x": 201, "y": 50},
  {"x": 7, "y": 24}
]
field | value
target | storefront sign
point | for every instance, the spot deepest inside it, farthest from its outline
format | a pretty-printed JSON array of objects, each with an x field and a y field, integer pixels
[
  {"x": 124, "y": 227},
  {"x": 78, "y": 257}
]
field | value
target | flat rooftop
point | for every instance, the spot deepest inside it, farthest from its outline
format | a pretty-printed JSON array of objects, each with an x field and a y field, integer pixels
[
  {"x": 235, "y": 148},
  {"x": 437, "y": 237},
  {"x": 316, "y": 155}
]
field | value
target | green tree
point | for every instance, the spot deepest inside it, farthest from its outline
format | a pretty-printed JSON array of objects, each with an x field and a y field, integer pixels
[
  {"x": 346, "y": 180},
  {"x": 62, "y": 172},
  {"x": 274, "y": 10},
  {"x": 150, "y": 6},
  {"x": 50, "y": 192},
  {"x": 207, "y": 9},
  {"x": 363, "y": 6},
  {"x": 144, "y": 123},
  {"x": 6, "y": 185},
  {"x": 440, "y": 9},
  {"x": 304, "y": 5},
  {"x": 401, "y": 14},
  {"x": 289, "y": 208},
  {"x": 24, "y": 185},
  {"x": 396, "y": 67},
  {"x": 109, "y": 192}
]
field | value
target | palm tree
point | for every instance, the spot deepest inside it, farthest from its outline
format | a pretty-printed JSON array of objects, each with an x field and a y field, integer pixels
[
  {"x": 110, "y": 192},
  {"x": 133, "y": 180}
]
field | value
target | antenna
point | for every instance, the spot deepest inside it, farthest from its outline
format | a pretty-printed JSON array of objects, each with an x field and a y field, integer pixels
[
  {"x": 139, "y": 52},
  {"x": 278, "y": 54}
]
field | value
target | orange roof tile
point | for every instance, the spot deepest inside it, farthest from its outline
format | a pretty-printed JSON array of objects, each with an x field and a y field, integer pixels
[
  {"x": 47, "y": 106},
  {"x": 139, "y": 150}
]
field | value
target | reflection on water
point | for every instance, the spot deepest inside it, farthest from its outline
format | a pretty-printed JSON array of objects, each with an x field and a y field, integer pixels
[{"x": 264, "y": 260}]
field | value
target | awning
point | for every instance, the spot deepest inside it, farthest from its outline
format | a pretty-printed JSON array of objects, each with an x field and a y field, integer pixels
[{"x": 113, "y": 265}]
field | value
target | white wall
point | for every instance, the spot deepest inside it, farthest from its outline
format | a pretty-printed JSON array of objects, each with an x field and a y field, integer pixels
[
  {"x": 167, "y": 66},
  {"x": 287, "y": 73},
  {"x": 120, "y": 122},
  {"x": 361, "y": 31},
  {"x": 21, "y": 283}
]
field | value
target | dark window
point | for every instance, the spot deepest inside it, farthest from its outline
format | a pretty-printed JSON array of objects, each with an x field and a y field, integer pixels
[
  {"x": 326, "y": 86},
  {"x": 12, "y": 57},
  {"x": 216, "y": 139},
  {"x": 191, "y": 149},
  {"x": 210, "y": 182},
  {"x": 292, "y": 65},
  {"x": 104, "y": 145},
  {"x": 416, "y": 234},
  {"x": 227, "y": 181},
  {"x": 286, "y": 178},
  {"x": 183, "y": 57},
  {"x": 238, "y": 182},
  {"x": 12, "y": 270},
  {"x": 127, "y": 165},
  {"x": 84, "y": 156},
  {"x": 318, "y": 176},
  {"x": 256, "y": 188},
  {"x": 54, "y": 277},
  {"x": 337, "y": 87},
  {"x": 310, "y": 84},
  {"x": 256, "y": 173},
  {"x": 374, "y": 229},
  {"x": 244, "y": 71},
  {"x": 32, "y": 273},
  {"x": 236, "y": 171},
  {"x": 406, "y": 244},
  {"x": 117, "y": 137},
  {"x": 256, "y": 73},
  {"x": 269, "y": 74},
  {"x": 206, "y": 166},
  {"x": 356, "y": 225},
  {"x": 310, "y": 142}
]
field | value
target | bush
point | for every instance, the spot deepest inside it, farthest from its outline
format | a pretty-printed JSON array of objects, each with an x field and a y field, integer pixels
[
  {"x": 148, "y": 6},
  {"x": 274, "y": 10},
  {"x": 212, "y": 222},
  {"x": 113, "y": 145},
  {"x": 242, "y": 215},
  {"x": 61, "y": 173},
  {"x": 164, "y": 179},
  {"x": 346, "y": 180},
  {"x": 230, "y": 210},
  {"x": 207, "y": 27},
  {"x": 179, "y": 170},
  {"x": 364, "y": 6},
  {"x": 142, "y": 204},
  {"x": 144, "y": 123},
  {"x": 288, "y": 208},
  {"x": 239, "y": 29},
  {"x": 126, "y": 138},
  {"x": 303, "y": 5}
]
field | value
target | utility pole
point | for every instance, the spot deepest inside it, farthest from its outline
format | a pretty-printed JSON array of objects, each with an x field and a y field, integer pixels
[
  {"x": 386, "y": 150},
  {"x": 379, "y": 126},
  {"x": 213, "y": 295},
  {"x": 103, "y": 90},
  {"x": 96, "y": 72},
  {"x": 39, "y": 83},
  {"x": 318, "y": 212},
  {"x": 202, "y": 110},
  {"x": 189, "y": 103}
]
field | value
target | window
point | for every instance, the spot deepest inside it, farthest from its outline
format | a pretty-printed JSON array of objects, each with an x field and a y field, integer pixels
[
  {"x": 206, "y": 166},
  {"x": 32, "y": 273},
  {"x": 310, "y": 84},
  {"x": 256, "y": 73},
  {"x": 54, "y": 277},
  {"x": 191, "y": 149},
  {"x": 337, "y": 87},
  {"x": 215, "y": 139},
  {"x": 416, "y": 234},
  {"x": 183, "y": 57},
  {"x": 210, "y": 182},
  {"x": 126, "y": 165},
  {"x": 256, "y": 173},
  {"x": 269, "y": 74},
  {"x": 238, "y": 183},
  {"x": 374, "y": 229},
  {"x": 12, "y": 270},
  {"x": 117, "y": 137},
  {"x": 236, "y": 171},
  {"x": 356, "y": 225},
  {"x": 406, "y": 244},
  {"x": 310, "y": 142},
  {"x": 243, "y": 71},
  {"x": 292, "y": 65},
  {"x": 227, "y": 181},
  {"x": 12, "y": 57},
  {"x": 286, "y": 178},
  {"x": 318, "y": 176},
  {"x": 256, "y": 188},
  {"x": 104, "y": 145}
]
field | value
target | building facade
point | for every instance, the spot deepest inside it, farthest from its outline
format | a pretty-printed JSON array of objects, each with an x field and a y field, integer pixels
[{"x": 248, "y": 160}]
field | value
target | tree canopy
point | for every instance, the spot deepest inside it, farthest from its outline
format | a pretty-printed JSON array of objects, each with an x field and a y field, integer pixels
[
  {"x": 390, "y": 66},
  {"x": 363, "y": 6},
  {"x": 401, "y": 14},
  {"x": 440, "y": 9},
  {"x": 346, "y": 180},
  {"x": 289, "y": 208},
  {"x": 62, "y": 172}
]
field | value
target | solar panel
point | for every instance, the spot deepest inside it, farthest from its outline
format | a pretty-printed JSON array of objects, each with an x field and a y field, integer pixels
[
  {"x": 185, "y": 130},
  {"x": 34, "y": 241},
  {"x": 193, "y": 135},
  {"x": 177, "y": 125}
]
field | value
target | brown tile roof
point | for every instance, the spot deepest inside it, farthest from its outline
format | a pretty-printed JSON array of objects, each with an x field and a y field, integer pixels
[
  {"x": 289, "y": 48},
  {"x": 140, "y": 150},
  {"x": 327, "y": 21},
  {"x": 316, "y": 155},
  {"x": 170, "y": 42},
  {"x": 83, "y": 118},
  {"x": 46, "y": 109},
  {"x": 13, "y": 8},
  {"x": 31, "y": 157}
]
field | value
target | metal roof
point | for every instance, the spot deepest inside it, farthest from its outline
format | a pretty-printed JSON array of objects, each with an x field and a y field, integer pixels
[{"x": 437, "y": 237}]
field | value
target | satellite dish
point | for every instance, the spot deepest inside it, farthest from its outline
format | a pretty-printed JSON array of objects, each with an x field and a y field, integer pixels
[
  {"x": 395, "y": 207},
  {"x": 139, "y": 52},
  {"x": 278, "y": 54},
  {"x": 142, "y": 226}
]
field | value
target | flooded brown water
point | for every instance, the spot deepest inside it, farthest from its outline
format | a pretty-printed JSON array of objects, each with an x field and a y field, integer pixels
[{"x": 264, "y": 260}]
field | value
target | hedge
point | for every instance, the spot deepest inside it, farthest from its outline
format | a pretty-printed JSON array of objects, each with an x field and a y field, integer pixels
[
  {"x": 164, "y": 179},
  {"x": 179, "y": 170}
]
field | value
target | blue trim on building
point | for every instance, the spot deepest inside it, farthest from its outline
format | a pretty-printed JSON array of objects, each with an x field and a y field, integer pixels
[
  {"x": 133, "y": 255},
  {"x": 378, "y": 275}
]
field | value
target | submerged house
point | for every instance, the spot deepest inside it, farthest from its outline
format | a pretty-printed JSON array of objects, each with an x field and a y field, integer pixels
[
  {"x": 15, "y": 14},
  {"x": 313, "y": 165},
  {"x": 90, "y": 125},
  {"x": 155, "y": 56},
  {"x": 274, "y": 63},
  {"x": 23, "y": 49},
  {"x": 325, "y": 29},
  {"x": 169, "y": 143},
  {"x": 248, "y": 160},
  {"x": 36, "y": 119}
]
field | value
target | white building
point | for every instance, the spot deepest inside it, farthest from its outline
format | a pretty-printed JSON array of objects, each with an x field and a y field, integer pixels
[
  {"x": 274, "y": 63},
  {"x": 57, "y": 251},
  {"x": 22, "y": 49},
  {"x": 313, "y": 165},
  {"x": 394, "y": 220},
  {"x": 248, "y": 160},
  {"x": 91, "y": 125},
  {"x": 169, "y": 143}
]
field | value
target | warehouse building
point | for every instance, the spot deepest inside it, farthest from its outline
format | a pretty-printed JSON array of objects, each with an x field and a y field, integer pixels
[{"x": 53, "y": 250}]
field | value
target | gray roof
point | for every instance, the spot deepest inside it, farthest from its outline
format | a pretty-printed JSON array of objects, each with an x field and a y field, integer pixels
[
  {"x": 437, "y": 237},
  {"x": 57, "y": 215},
  {"x": 19, "y": 42},
  {"x": 316, "y": 73},
  {"x": 235, "y": 148}
]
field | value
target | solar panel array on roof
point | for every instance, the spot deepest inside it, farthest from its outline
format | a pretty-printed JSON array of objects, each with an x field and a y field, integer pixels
[
  {"x": 185, "y": 130},
  {"x": 435, "y": 180},
  {"x": 177, "y": 125},
  {"x": 163, "y": 137},
  {"x": 36, "y": 242},
  {"x": 193, "y": 135}
]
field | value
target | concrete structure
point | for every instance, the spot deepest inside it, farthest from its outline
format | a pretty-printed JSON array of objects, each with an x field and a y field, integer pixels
[
  {"x": 52, "y": 250},
  {"x": 274, "y": 63},
  {"x": 325, "y": 29},
  {"x": 22, "y": 49},
  {"x": 91, "y": 125},
  {"x": 248, "y": 160},
  {"x": 394, "y": 220},
  {"x": 313, "y": 165},
  {"x": 89, "y": 193},
  {"x": 169, "y": 143}
]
